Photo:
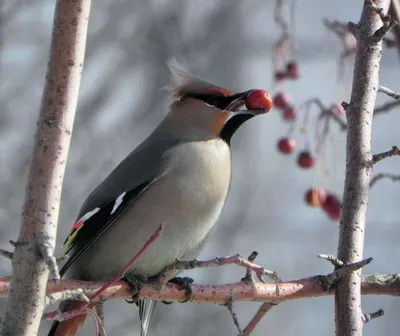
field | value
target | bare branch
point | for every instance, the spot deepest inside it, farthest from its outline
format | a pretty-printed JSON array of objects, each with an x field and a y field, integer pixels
[
  {"x": 25, "y": 302},
  {"x": 331, "y": 279},
  {"x": 240, "y": 291},
  {"x": 368, "y": 317},
  {"x": 261, "y": 312},
  {"x": 381, "y": 156},
  {"x": 358, "y": 152},
  {"x": 217, "y": 262},
  {"x": 232, "y": 311},
  {"x": 380, "y": 176},
  {"x": 389, "y": 92},
  {"x": 386, "y": 107},
  {"x": 6, "y": 254}
]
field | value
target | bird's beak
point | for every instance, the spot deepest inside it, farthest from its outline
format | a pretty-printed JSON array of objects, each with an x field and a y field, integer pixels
[{"x": 239, "y": 105}]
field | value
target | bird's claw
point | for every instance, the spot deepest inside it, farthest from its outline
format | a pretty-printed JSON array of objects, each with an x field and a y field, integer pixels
[
  {"x": 136, "y": 283},
  {"x": 185, "y": 283}
]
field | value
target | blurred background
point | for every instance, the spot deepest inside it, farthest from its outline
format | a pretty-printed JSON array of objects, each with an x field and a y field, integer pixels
[{"x": 229, "y": 43}]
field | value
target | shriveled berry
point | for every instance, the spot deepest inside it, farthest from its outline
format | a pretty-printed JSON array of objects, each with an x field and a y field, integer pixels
[
  {"x": 305, "y": 159},
  {"x": 281, "y": 100},
  {"x": 331, "y": 206},
  {"x": 289, "y": 113},
  {"x": 259, "y": 99},
  {"x": 292, "y": 70},
  {"x": 315, "y": 197},
  {"x": 286, "y": 145}
]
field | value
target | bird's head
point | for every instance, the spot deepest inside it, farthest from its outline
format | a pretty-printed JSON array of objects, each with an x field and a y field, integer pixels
[{"x": 203, "y": 111}]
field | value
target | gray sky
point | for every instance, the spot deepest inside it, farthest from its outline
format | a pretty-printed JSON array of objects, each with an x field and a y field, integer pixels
[{"x": 230, "y": 44}]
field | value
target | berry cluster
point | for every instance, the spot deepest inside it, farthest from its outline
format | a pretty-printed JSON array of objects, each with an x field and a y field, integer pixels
[{"x": 315, "y": 197}]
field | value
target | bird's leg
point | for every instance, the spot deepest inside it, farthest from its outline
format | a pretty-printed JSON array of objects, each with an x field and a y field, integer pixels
[
  {"x": 136, "y": 282},
  {"x": 185, "y": 283}
]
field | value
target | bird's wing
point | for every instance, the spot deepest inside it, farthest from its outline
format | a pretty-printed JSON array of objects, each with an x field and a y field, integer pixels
[{"x": 115, "y": 194}]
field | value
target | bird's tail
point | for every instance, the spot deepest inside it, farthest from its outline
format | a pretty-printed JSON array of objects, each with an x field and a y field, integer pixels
[
  {"x": 71, "y": 326},
  {"x": 146, "y": 309}
]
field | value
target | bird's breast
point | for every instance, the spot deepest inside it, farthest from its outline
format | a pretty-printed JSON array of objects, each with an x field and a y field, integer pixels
[{"x": 187, "y": 198}]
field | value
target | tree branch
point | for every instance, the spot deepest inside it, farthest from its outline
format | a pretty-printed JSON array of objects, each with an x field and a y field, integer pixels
[
  {"x": 33, "y": 256},
  {"x": 358, "y": 153},
  {"x": 260, "y": 292},
  {"x": 389, "y": 92},
  {"x": 380, "y": 176},
  {"x": 381, "y": 156}
]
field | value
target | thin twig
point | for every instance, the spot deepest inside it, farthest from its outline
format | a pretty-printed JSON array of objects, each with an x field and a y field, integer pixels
[
  {"x": 249, "y": 273},
  {"x": 332, "y": 259},
  {"x": 6, "y": 254},
  {"x": 381, "y": 156},
  {"x": 380, "y": 176},
  {"x": 389, "y": 92},
  {"x": 118, "y": 277},
  {"x": 331, "y": 279},
  {"x": 99, "y": 309},
  {"x": 232, "y": 311},
  {"x": 385, "y": 108},
  {"x": 368, "y": 317},
  {"x": 261, "y": 312},
  {"x": 237, "y": 259}
]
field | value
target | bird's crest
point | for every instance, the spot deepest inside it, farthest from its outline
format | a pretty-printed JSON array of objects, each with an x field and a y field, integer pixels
[{"x": 183, "y": 83}]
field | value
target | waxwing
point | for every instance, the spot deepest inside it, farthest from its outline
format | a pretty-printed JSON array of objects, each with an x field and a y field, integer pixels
[{"x": 179, "y": 176}]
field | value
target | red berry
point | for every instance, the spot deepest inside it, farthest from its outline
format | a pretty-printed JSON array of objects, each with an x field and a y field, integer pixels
[
  {"x": 305, "y": 159},
  {"x": 289, "y": 113},
  {"x": 338, "y": 110},
  {"x": 315, "y": 197},
  {"x": 281, "y": 100},
  {"x": 292, "y": 70},
  {"x": 259, "y": 100},
  {"x": 286, "y": 145},
  {"x": 332, "y": 207},
  {"x": 280, "y": 76}
]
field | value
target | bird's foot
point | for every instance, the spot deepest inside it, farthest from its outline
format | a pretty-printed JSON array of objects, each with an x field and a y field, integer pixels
[
  {"x": 136, "y": 282},
  {"x": 185, "y": 283}
]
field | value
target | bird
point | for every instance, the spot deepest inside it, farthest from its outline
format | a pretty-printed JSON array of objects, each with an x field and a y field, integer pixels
[{"x": 179, "y": 176}]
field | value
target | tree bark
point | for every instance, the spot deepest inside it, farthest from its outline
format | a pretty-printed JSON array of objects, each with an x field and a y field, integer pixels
[
  {"x": 35, "y": 246},
  {"x": 358, "y": 168}
]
